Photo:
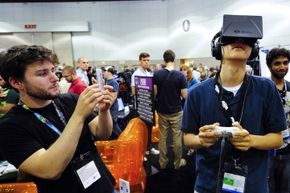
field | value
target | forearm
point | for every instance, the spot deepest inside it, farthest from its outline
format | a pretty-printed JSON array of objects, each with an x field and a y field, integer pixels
[
  {"x": 192, "y": 140},
  {"x": 50, "y": 163},
  {"x": 266, "y": 142},
  {"x": 102, "y": 125},
  {"x": 6, "y": 107}
]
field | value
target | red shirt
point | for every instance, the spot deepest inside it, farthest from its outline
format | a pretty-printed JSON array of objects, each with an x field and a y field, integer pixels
[{"x": 77, "y": 86}]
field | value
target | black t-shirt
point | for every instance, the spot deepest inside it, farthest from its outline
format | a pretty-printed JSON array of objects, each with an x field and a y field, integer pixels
[
  {"x": 22, "y": 134},
  {"x": 169, "y": 86}
]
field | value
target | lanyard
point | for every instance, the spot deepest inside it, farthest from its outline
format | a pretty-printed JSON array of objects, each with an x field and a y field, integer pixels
[
  {"x": 45, "y": 120},
  {"x": 224, "y": 105},
  {"x": 283, "y": 93}
]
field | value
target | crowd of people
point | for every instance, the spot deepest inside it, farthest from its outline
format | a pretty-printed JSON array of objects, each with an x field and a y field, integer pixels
[{"x": 55, "y": 147}]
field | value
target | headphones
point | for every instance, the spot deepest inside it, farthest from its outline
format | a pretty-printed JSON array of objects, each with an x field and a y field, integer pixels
[{"x": 216, "y": 50}]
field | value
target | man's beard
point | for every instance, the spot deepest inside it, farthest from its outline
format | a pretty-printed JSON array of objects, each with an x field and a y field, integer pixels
[
  {"x": 278, "y": 75},
  {"x": 43, "y": 95}
]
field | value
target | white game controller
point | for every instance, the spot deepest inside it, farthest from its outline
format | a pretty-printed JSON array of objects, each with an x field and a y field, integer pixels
[{"x": 226, "y": 129}]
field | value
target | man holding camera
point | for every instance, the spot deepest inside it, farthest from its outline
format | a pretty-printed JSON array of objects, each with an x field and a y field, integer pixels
[
  {"x": 234, "y": 161},
  {"x": 49, "y": 136}
]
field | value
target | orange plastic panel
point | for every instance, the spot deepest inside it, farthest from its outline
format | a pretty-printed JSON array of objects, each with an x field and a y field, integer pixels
[
  {"x": 124, "y": 156},
  {"x": 27, "y": 187}
]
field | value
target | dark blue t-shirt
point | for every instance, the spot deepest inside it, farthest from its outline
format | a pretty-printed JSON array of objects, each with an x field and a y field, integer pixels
[
  {"x": 169, "y": 85},
  {"x": 263, "y": 113}
]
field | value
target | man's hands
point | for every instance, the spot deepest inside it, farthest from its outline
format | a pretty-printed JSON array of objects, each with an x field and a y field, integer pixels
[
  {"x": 241, "y": 139},
  {"x": 207, "y": 136},
  {"x": 93, "y": 96}
]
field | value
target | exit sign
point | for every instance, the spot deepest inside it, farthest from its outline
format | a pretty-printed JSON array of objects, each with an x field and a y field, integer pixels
[{"x": 30, "y": 26}]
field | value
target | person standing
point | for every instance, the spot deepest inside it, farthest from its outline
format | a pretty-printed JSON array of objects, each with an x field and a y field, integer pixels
[
  {"x": 48, "y": 135},
  {"x": 143, "y": 70},
  {"x": 170, "y": 87},
  {"x": 233, "y": 99},
  {"x": 110, "y": 80},
  {"x": 83, "y": 66},
  {"x": 278, "y": 63},
  {"x": 77, "y": 85}
]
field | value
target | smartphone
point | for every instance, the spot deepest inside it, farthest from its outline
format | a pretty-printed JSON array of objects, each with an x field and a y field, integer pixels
[{"x": 99, "y": 77}]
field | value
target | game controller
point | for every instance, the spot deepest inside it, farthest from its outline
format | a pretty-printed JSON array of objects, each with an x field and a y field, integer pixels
[{"x": 226, "y": 129}]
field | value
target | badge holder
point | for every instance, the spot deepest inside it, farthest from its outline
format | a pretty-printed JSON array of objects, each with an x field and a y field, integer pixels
[
  {"x": 86, "y": 170},
  {"x": 234, "y": 179}
]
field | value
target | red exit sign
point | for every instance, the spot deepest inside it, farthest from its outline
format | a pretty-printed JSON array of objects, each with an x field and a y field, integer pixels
[{"x": 30, "y": 26}]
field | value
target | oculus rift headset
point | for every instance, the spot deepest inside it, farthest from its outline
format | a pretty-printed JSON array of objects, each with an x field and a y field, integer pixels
[{"x": 249, "y": 28}]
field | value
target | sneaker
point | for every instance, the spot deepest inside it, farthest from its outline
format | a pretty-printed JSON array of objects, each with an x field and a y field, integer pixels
[
  {"x": 145, "y": 159},
  {"x": 154, "y": 151},
  {"x": 147, "y": 153}
]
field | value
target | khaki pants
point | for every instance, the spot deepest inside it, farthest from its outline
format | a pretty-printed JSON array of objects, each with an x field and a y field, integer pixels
[{"x": 170, "y": 122}]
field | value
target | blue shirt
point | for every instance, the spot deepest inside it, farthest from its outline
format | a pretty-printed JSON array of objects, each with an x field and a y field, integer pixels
[
  {"x": 263, "y": 113},
  {"x": 115, "y": 107}
]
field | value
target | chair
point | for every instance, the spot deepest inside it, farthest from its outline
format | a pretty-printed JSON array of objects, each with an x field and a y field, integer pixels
[
  {"x": 25, "y": 187},
  {"x": 124, "y": 156}
]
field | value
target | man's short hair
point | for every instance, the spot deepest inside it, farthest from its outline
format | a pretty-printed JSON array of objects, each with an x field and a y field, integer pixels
[
  {"x": 275, "y": 53},
  {"x": 17, "y": 58},
  {"x": 169, "y": 56},
  {"x": 69, "y": 69},
  {"x": 143, "y": 55}
]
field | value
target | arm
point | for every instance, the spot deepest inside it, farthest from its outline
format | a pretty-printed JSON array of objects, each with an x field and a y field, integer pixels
[
  {"x": 104, "y": 130},
  {"x": 4, "y": 108},
  {"x": 155, "y": 90},
  {"x": 184, "y": 93},
  {"x": 50, "y": 163}
]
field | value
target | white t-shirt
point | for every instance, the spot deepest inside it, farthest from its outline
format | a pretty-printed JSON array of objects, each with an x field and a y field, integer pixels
[{"x": 139, "y": 72}]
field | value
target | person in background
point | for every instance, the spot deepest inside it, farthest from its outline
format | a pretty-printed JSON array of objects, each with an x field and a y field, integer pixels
[
  {"x": 233, "y": 99},
  {"x": 143, "y": 70},
  {"x": 169, "y": 88},
  {"x": 110, "y": 80},
  {"x": 77, "y": 85},
  {"x": 55, "y": 147},
  {"x": 278, "y": 63},
  {"x": 8, "y": 97},
  {"x": 190, "y": 79},
  {"x": 91, "y": 73},
  {"x": 83, "y": 65}
]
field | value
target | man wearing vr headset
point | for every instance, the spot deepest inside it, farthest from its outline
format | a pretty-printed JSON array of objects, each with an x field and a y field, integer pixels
[{"x": 248, "y": 107}]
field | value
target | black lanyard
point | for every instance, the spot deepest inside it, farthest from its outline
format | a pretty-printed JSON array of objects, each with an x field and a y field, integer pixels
[{"x": 223, "y": 103}]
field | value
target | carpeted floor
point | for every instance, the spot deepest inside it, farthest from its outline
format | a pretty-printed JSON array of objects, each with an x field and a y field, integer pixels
[{"x": 170, "y": 180}]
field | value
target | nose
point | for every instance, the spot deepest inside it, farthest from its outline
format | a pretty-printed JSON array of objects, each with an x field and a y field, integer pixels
[{"x": 54, "y": 76}]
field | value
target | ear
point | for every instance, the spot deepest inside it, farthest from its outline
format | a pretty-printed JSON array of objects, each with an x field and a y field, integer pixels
[{"x": 16, "y": 84}]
